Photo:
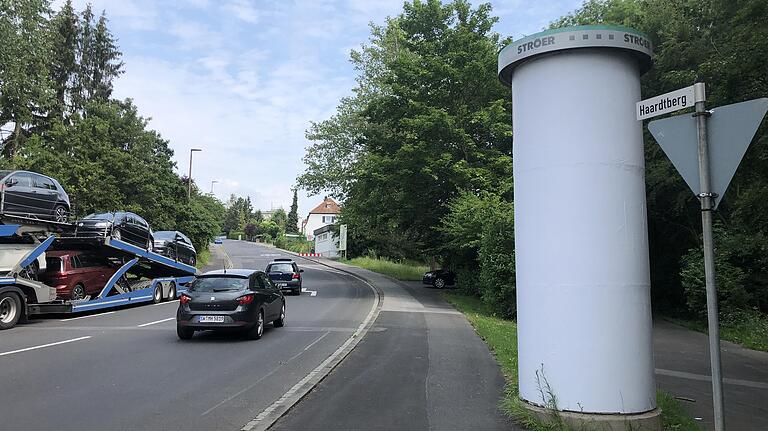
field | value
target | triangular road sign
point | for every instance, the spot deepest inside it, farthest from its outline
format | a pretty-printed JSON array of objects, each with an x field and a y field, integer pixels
[{"x": 730, "y": 128}]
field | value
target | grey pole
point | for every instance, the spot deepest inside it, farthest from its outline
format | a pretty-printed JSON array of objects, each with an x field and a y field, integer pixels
[
  {"x": 707, "y": 206},
  {"x": 189, "y": 178}
]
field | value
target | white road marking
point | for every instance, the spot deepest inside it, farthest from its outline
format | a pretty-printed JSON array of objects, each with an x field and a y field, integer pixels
[
  {"x": 45, "y": 345},
  {"x": 85, "y": 317},
  {"x": 706, "y": 378},
  {"x": 269, "y": 415},
  {"x": 307, "y": 348},
  {"x": 155, "y": 322},
  {"x": 163, "y": 303},
  {"x": 311, "y": 292}
]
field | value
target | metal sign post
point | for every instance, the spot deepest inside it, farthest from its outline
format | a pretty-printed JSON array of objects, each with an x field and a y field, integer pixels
[{"x": 707, "y": 197}]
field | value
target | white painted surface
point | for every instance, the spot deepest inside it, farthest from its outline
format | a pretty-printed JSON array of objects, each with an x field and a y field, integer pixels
[
  {"x": 327, "y": 244},
  {"x": 581, "y": 240},
  {"x": 315, "y": 221},
  {"x": 43, "y": 346}
]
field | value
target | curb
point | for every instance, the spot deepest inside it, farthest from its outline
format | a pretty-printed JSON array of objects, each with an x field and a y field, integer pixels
[{"x": 264, "y": 420}]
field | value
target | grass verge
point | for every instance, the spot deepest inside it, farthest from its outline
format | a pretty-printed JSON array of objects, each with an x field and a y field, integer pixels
[
  {"x": 501, "y": 336},
  {"x": 202, "y": 258},
  {"x": 398, "y": 270},
  {"x": 749, "y": 329}
]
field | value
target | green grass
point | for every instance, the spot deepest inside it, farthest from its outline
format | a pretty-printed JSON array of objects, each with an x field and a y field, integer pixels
[
  {"x": 749, "y": 329},
  {"x": 202, "y": 258},
  {"x": 501, "y": 336},
  {"x": 400, "y": 271}
]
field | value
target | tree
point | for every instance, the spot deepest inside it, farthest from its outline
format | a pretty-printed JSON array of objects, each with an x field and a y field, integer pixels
[
  {"x": 105, "y": 62},
  {"x": 25, "y": 90},
  {"x": 258, "y": 217},
  {"x": 280, "y": 219},
  {"x": 292, "y": 224},
  {"x": 428, "y": 120},
  {"x": 64, "y": 30}
]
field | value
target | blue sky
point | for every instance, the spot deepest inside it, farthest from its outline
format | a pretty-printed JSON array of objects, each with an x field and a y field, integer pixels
[{"x": 243, "y": 79}]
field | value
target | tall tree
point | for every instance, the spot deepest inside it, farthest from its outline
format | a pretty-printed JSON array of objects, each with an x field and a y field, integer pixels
[
  {"x": 64, "y": 29},
  {"x": 106, "y": 62},
  {"x": 292, "y": 224},
  {"x": 428, "y": 120},
  {"x": 25, "y": 90},
  {"x": 280, "y": 218}
]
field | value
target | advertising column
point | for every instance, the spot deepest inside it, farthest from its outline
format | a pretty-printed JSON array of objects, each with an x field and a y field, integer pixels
[{"x": 581, "y": 240}]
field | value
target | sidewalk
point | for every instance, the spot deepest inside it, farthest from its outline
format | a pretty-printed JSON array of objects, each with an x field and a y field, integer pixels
[
  {"x": 421, "y": 366},
  {"x": 682, "y": 368}
]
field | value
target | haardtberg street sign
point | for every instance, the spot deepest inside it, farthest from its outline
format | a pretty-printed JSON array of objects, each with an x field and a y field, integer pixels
[
  {"x": 731, "y": 129},
  {"x": 666, "y": 103}
]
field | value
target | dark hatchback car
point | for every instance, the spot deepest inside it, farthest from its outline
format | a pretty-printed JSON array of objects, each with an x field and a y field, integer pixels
[
  {"x": 123, "y": 226},
  {"x": 239, "y": 299},
  {"x": 439, "y": 278},
  {"x": 175, "y": 245},
  {"x": 286, "y": 275},
  {"x": 30, "y": 194},
  {"x": 76, "y": 274}
]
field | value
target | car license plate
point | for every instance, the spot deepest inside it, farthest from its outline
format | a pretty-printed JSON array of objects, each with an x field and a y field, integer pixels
[
  {"x": 211, "y": 319},
  {"x": 282, "y": 284}
]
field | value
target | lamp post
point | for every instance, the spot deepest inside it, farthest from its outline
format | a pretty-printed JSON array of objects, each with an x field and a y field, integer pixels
[
  {"x": 212, "y": 183},
  {"x": 189, "y": 178}
]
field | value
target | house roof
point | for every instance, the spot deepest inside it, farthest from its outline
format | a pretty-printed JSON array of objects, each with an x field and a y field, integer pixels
[{"x": 328, "y": 206}]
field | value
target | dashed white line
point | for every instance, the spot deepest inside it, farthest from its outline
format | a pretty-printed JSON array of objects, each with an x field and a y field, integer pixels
[
  {"x": 85, "y": 317},
  {"x": 163, "y": 303},
  {"x": 155, "y": 322},
  {"x": 42, "y": 346}
]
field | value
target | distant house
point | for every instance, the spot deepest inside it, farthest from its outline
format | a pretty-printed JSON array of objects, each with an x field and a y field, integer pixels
[
  {"x": 326, "y": 241},
  {"x": 324, "y": 214}
]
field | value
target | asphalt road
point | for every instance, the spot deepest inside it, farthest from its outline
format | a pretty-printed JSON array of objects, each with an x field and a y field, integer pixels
[{"x": 126, "y": 370}]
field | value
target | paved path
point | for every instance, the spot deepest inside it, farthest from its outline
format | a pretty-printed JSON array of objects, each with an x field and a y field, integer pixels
[
  {"x": 126, "y": 370},
  {"x": 421, "y": 367},
  {"x": 682, "y": 368}
]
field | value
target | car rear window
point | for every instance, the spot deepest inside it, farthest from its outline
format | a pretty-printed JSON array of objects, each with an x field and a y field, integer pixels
[
  {"x": 218, "y": 284},
  {"x": 53, "y": 264},
  {"x": 280, "y": 267}
]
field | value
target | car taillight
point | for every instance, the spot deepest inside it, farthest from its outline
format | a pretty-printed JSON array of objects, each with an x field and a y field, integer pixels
[
  {"x": 184, "y": 299},
  {"x": 245, "y": 299},
  {"x": 295, "y": 276}
]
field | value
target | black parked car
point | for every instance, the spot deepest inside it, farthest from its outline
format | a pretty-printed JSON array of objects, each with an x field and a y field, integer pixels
[
  {"x": 123, "y": 226},
  {"x": 230, "y": 299},
  {"x": 30, "y": 194},
  {"x": 285, "y": 274},
  {"x": 175, "y": 245},
  {"x": 439, "y": 278}
]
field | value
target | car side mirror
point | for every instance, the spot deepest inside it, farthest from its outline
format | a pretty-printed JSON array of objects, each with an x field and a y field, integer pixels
[
  {"x": 11, "y": 182},
  {"x": 301, "y": 270}
]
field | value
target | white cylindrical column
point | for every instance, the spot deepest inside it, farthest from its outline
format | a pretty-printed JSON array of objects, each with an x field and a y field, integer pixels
[{"x": 581, "y": 240}]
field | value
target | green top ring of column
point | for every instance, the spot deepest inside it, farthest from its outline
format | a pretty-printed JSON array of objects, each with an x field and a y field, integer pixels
[{"x": 584, "y": 36}]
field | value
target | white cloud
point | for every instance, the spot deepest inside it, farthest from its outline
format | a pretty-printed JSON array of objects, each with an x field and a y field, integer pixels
[{"x": 242, "y": 79}]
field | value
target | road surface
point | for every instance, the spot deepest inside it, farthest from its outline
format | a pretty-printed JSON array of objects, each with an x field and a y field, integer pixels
[{"x": 127, "y": 370}]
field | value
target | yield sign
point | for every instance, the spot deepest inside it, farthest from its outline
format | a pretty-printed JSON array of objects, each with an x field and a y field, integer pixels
[{"x": 731, "y": 129}]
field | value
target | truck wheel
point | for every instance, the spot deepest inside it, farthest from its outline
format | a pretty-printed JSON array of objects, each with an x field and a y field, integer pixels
[
  {"x": 10, "y": 310},
  {"x": 171, "y": 292},
  {"x": 157, "y": 295}
]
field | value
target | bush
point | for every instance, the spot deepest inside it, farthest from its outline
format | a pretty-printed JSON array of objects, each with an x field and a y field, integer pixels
[
  {"x": 730, "y": 279},
  {"x": 296, "y": 245},
  {"x": 235, "y": 234},
  {"x": 480, "y": 248}
]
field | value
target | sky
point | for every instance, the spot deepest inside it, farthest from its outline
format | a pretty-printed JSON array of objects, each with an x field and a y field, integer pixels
[{"x": 243, "y": 79}]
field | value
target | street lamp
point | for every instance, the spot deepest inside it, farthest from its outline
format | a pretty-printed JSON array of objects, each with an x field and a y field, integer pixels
[
  {"x": 189, "y": 178},
  {"x": 212, "y": 183}
]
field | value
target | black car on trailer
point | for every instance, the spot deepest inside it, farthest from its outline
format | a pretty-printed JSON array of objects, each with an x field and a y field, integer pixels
[{"x": 175, "y": 245}]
